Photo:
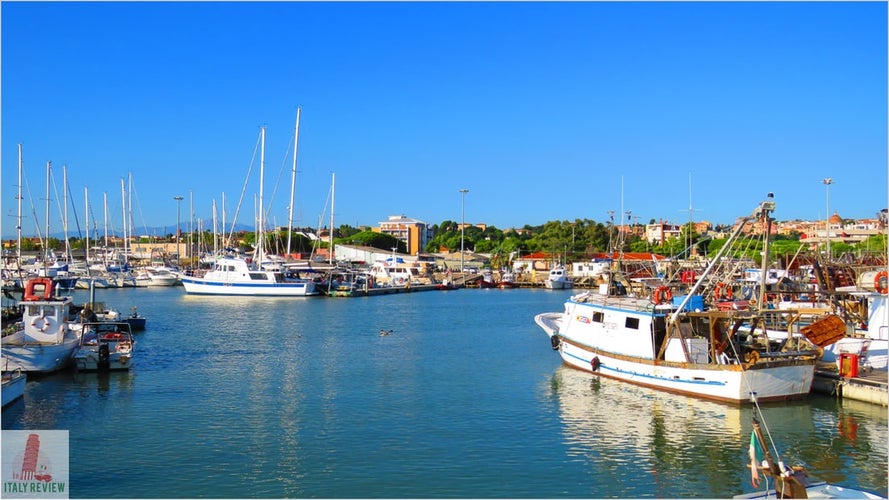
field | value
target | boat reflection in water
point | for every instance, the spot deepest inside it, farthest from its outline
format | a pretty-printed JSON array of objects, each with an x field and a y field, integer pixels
[{"x": 627, "y": 432}]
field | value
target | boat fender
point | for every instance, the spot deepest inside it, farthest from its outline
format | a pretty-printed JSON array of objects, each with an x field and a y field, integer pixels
[
  {"x": 594, "y": 363},
  {"x": 881, "y": 282},
  {"x": 399, "y": 281},
  {"x": 555, "y": 341}
]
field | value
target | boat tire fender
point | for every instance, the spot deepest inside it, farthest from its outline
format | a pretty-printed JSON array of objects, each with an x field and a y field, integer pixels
[
  {"x": 555, "y": 341},
  {"x": 595, "y": 363}
]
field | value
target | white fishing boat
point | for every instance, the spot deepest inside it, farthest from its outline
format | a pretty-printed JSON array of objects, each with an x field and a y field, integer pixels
[
  {"x": 46, "y": 338},
  {"x": 628, "y": 332},
  {"x": 558, "y": 279},
  {"x": 105, "y": 346}
]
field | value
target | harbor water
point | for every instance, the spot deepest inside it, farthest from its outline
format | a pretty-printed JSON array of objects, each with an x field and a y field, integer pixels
[{"x": 234, "y": 397}]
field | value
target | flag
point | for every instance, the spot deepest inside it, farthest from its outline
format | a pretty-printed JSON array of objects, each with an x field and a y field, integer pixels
[{"x": 754, "y": 450}]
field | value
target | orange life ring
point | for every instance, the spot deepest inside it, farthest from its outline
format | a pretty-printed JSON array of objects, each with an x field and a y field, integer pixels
[
  {"x": 662, "y": 295},
  {"x": 719, "y": 289},
  {"x": 752, "y": 357},
  {"x": 32, "y": 283},
  {"x": 881, "y": 282}
]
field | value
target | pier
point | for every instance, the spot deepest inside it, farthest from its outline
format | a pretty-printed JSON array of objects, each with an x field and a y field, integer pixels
[{"x": 869, "y": 386}]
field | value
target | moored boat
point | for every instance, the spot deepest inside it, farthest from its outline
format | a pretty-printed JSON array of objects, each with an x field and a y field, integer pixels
[
  {"x": 46, "y": 338},
  {"x": 558, "y": 279},
  {"x": 13, "y": 385},
  {"x": 787, "y": 481},
  {"x": 628, "y": 332},
  {"x": 233, "y": 276},
  {"x": 105, "y": 346}
]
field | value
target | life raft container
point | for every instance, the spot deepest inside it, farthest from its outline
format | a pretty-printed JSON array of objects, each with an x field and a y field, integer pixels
[{"x": 32, "y": 292}]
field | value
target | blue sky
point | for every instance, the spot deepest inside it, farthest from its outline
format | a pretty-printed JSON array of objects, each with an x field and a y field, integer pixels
[{"x": 544, "y": 111}]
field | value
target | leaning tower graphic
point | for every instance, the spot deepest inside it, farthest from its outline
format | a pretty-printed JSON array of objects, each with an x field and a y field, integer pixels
[{"x": 29, "y": 461}]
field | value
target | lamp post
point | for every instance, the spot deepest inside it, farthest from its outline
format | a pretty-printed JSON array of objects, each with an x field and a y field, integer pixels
[
  {"x": 827, "y": 182},
  {"x": 178, "y": 206},
  {"x": 462, "y": 229}
]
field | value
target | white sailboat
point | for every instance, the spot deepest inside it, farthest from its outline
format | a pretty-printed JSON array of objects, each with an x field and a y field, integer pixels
[{"x": 234, "y": 275}]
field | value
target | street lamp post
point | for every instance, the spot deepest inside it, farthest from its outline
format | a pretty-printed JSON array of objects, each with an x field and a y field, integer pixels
[
  {"x": 178, "y": 206},
  {"x": 462, "y": 230},
  {"x": 827, "y": 182}
]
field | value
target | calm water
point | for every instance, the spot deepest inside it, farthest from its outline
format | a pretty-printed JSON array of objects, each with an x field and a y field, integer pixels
[{"x": 260, "y": 398}]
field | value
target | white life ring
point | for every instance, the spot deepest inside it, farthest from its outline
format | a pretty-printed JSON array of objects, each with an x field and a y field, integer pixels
[
  {"x": 46, "y": 322},
  {"x": 399, "y": 281}
]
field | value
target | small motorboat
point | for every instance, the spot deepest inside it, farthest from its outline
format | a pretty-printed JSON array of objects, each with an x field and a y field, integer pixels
[{"x": 105, "y": 346}]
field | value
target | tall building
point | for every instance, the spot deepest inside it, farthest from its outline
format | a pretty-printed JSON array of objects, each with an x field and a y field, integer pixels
[{"x": 414, "y": 233}]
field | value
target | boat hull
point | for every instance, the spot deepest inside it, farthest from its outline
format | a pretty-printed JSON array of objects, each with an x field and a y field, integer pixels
[
  {"x": 39, "y": 357},
  {"x": 196, "y": 286},
  {"x": 13, "y": 386},
  {"x": 558, "y": 284}
]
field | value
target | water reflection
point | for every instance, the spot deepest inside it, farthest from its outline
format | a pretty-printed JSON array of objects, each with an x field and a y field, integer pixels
[{"x": 631, "y": 431}]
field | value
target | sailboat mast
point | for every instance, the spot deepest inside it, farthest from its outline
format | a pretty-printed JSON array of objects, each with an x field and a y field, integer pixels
[
  {"x": 292, "y": 182},
  {"x": 65, "y": 212},
  {"x": 18, "y": 226},
  {"x": 46, "y": 244},
  {"x": 332, "y": 200},
  {"x": 215, "y": 234},
  {"x": 86, "y": 241},
  {"x": 123, "y": 210},
  {"x": 259, "y": 237}
]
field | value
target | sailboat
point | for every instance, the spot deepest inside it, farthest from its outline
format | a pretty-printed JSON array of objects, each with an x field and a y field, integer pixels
[{"x": 235, "y": 275}]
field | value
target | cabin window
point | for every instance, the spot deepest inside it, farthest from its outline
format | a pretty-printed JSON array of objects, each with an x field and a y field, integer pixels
[
  {"x": 632, "y": 323},
  {"x": 598, "y": 317},
  {"x": 258, "y": 276}
]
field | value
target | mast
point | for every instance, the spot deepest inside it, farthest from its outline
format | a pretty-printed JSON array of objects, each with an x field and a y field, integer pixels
[
  {"x": 123, "y": 210},
  {"x": 259, "y": 237},
  {"x": 766, "y": 221},
  {"x": 105, "y": 224},
  {"x": 68, "y": 258},
  {"x": 46, "y": 245},
  {"x": 18, "y": 226},
  {"x": 86, "y": 241},
  {"x": 332, "y": 199},
  {"x": 215, "y": 229},
  {"x": 292, "y": 182}
]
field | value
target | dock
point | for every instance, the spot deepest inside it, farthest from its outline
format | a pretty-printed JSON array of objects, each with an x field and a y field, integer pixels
[{"x": 869, "y": 385}]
